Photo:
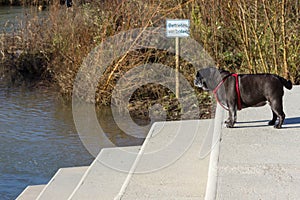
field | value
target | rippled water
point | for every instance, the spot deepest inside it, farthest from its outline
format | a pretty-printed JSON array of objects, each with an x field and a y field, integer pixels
[{"x": 37, "y": 136}]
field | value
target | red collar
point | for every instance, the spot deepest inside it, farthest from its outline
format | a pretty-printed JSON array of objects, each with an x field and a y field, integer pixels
[{"x": 239, "y": 103}]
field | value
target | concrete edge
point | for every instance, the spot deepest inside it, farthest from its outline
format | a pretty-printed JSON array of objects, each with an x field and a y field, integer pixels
[
  {"x": 54, "y": 177},
  {"x": 89, "y": 169},
  {"x": 134, "y": 165},
  {"x": 28, "y": 189},
  {"x": 47, "y": 185},
  {"x": 211, "y": 187}
]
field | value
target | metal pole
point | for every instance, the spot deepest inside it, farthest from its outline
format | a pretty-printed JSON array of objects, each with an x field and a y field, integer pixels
[{"x": 177, "y": 49}]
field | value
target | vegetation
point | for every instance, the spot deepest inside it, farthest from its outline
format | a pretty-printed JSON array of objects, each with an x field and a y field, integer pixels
[
  {"x": 256, "y": 36},
  {"x": 23, "y": 2},
  {"x": 33, "y": 2}
]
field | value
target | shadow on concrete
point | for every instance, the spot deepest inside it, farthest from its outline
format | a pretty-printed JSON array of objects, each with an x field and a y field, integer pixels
[
  {"x": 251, "y": 124},
  {"x": 294, "y": 120},
  {"x": 290, "y": 122},
  {"x": 287, "y": 121}
]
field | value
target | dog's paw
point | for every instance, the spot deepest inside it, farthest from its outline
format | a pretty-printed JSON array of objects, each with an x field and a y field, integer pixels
[
  {"x": 229, "y": 125},
  {"x": 271, "y": 122},
  {"x": 277, "y": 126}
]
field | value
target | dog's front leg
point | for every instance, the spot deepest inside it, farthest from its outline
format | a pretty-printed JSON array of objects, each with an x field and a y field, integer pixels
[
  {"x": 277, "y": 109},
  {"x": 231, "y": 117}
]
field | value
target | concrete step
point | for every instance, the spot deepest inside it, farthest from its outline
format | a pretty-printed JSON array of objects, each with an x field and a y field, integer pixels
[
  {"x": 62, "y": 184},
  {"x": 106, "y": 174},
  {"x": 167, "y": 166},
  {"x": 170, "y": 166},
  {"x": 31, "y": 192}
]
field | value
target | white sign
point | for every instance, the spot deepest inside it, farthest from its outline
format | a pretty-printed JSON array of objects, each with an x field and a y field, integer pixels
[{"x": 178, "y": 28}]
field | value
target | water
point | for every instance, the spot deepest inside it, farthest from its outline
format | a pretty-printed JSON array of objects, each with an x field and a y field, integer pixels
[{"x": 37, "y": 137}]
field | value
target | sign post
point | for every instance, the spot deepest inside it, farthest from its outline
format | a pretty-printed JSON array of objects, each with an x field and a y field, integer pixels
[{"x": 177, "y": 28}]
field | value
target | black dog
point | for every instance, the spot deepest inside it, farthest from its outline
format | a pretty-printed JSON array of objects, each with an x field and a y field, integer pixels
[{"x": 234, "y": 91}]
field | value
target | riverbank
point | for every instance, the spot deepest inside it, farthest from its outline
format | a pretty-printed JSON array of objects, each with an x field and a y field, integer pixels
[{"x": 52, "y": 49}]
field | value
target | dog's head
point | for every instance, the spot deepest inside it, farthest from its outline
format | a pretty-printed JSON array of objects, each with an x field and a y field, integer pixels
[
  {"x": 209, "y": 78},
  {"x": 200, "y": 81}
]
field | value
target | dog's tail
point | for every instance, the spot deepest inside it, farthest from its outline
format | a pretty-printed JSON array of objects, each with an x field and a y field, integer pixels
[{"x": 287, "y": 83}]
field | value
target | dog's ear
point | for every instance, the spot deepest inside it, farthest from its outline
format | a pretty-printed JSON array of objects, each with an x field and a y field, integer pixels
[
  {"x": 206, "y": 72},
  {"x": 199, "y": 75},
  {"x": 221, "y": 70}
]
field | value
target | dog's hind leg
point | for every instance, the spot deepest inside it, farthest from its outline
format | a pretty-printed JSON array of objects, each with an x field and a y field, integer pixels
[
  {"x": 276, "y": 106},
  {"x": 281, "y": 120},
  {"x": 273, "y": 121}
]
